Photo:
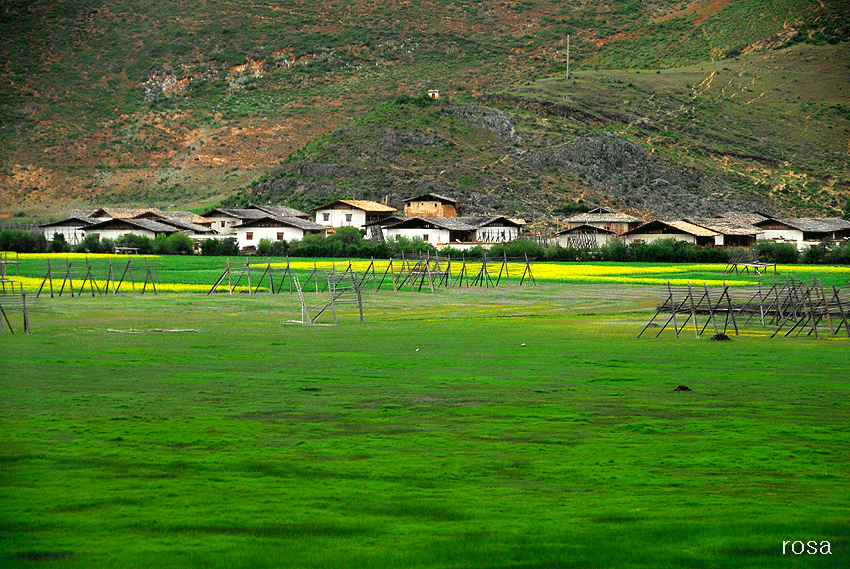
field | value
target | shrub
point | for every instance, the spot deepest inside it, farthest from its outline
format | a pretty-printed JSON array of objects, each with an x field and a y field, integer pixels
[
  {"x": 770, "y": 251},
  {"x": 59, "y": 245},
  {"x": 224, "y": 248},
  {"x": 91, "y": 244},
  {"x": 20, "y": 241}
]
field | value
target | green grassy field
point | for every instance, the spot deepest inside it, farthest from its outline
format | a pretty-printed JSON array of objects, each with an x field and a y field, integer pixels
[{"x": 515, "y": 427}]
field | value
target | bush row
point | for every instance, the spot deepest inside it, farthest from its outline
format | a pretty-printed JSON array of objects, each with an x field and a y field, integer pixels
[{"x": 348, "y": 242}]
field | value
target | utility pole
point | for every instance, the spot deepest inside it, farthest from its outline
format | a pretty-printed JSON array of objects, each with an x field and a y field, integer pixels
[{"x": 568, "y": 56}]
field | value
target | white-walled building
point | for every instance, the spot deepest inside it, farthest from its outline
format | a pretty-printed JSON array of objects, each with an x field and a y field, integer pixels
[
  {"x": 249, "y": 234},
  {"x": 352, "y": 213},
  {"x": 457, "y": 231},
  {"x": 804, "y": 232},
  {"x": 584, "y": 237},
  {"x": 678, "y": 230},
  {"x": 115, "y": 228},
  {"x": 73, "y": 229}
]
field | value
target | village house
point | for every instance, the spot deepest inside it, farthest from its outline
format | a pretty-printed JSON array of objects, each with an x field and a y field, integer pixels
[
  {"x": 729, "y": 233},
  {"x": 457, "y": 232},
  {"x": 249, "y": 233},
  {"x": 351, "y": 213},
  {"x": 430, "y": 205},
  {"x": 678, "y": 230},
  {"x": 804, "y": 232},
  {"x": 584, "y": 237},
  {"x": 604, "y": 218},
  {"x": 115, "y": 228},
  {"x": 72, "y": 229},
  {"x": 225, "y": 220}
]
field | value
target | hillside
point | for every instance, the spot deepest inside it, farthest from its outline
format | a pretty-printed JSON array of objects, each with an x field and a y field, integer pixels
[{"x": 117, "y": 102}]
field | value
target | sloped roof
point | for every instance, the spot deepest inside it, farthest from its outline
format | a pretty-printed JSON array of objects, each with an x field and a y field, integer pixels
[
  {"x": 450, "y": 223},
  {"x": 456, "y": 223},
  {"x": 599, "y": 216},
  {"x": 584, "y": 228},
  {"x": 697, "y": 230},
  {"x": 300, "y": 223},
  {"x": 118, "y": 212},
  {"x": 236, "y": 213},
  {"x": 432, "y": 197},
  {"x": 365, "y": 205},
  {"x": 751, "y": 217},
  {"x": 81, "y": 220},
  {"x": 816, "y": 224},
  {"x": 280, "y": 210},
  {"x": 186, "y": 216},
  {"x": 186, "y": 225},
  {"x": 142, "y": 223},
  {"x": 725, "y": 226}
]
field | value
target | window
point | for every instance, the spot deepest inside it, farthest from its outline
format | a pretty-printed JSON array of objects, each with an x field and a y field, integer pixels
[
  {"x": 96, "y": 236},
  {"x": 326, "y": 216},
  {"x": 280, "y": 236},
  {"x": 348, "y": 217},
  {"x": 249, "y": 235},
  {"x": 425, "y": 237}
]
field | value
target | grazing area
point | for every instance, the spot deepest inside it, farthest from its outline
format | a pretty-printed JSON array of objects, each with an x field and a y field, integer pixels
[{"x": 509, "y": 427}]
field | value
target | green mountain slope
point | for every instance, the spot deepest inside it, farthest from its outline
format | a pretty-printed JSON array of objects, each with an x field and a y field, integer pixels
[{"x": 178, "y": 103}]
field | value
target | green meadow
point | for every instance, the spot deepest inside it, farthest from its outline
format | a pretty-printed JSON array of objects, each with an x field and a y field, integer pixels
[{"x": 516, "y": 427}]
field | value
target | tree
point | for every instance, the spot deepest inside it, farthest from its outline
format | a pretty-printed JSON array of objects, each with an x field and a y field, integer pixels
[{"x": 59, "y": 245}]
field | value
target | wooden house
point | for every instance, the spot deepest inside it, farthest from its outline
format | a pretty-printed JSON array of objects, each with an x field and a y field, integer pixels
[{"x": 430, "y": 205}]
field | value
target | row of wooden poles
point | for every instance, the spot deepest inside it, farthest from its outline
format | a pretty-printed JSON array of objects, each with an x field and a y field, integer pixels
[
  {"x": 792, "y": 305},
  {"x": 11, "y": 300},
  {"x": 416, "y": 272},
  {"x": 67, "y": 277}
]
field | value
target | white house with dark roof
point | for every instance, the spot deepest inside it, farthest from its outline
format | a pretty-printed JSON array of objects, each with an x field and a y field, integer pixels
[
  {"x": 249, "y": 233},
  {"x": 457, "y": 232},
  {"x": 73, "y": 229},
  {"x": 584, "y": 237},
  {"x": 804, "y": 232},
  {"x": 729, "y": 233},
  {"x": 679, "y": 230},
  {"x": 115, "y": 227}
]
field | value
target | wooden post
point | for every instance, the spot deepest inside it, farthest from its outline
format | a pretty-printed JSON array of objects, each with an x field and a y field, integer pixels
[
  {"x": 673, "y": 304},
  {"x": 693, "y": 312},
  {"x": 6, "y": 318},
  {"x": 248, "y": 268},
  {"x": 26, "y": 316}
]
